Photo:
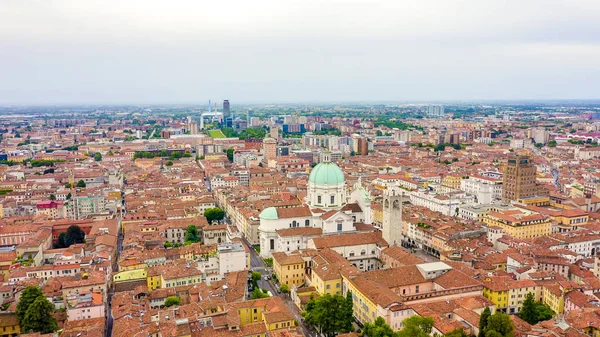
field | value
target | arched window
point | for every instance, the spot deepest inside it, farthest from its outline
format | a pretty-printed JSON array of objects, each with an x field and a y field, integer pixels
[
  {"x": 351, "y": 253},
  {"x": 294, "y": 224},
  {"x": 363, "y": 252}
]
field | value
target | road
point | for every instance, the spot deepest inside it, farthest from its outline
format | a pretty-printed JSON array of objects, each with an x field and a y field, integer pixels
[{"x": 259, "y": 265}]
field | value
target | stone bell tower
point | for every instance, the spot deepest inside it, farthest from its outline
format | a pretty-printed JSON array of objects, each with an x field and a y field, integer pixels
[{"x": 392, "y": 216}]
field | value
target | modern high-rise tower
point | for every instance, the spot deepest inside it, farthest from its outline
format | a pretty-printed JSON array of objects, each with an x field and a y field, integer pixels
[{"x": 226, "y": 110}]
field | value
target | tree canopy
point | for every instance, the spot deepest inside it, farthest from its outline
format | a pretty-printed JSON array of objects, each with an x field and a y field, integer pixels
[
  {"x": 172, "y": 300},
  {"x": 416, "y": 326},
  {"x": 330, "y": 313},
  {"x": 499, "y": 325},
  {"x": 214, "y": 214},
  {"x": 535, "y": 311},
  {"x": 483, "y": 319},
  {"x": 98, "y": 156},
  {"x": 191, "y": 234},
  {"x": 35, "y": 312},
  {"x": 81, "y": 184}
]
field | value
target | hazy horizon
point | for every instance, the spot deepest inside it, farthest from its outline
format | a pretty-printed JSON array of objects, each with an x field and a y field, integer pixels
[{"x": 186, "y": 52}]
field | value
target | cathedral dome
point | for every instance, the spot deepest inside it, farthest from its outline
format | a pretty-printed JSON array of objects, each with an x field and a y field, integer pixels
[
  {"x": 269, "y": 213},
  {"x": 326, "y": 174}
]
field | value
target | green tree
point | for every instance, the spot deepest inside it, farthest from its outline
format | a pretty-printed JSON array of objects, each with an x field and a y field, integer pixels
[
  {"x": 38, "y": 317},
  {"x": 169, "y": 163},
  {"x": 68, "y": 185},
  {"x": 175, "y": 155},
  {"x": 187, "y": 155},
  {"x": 483, "y": 320},
  {"x": 52, "y": 197},
  {"x": 440, "y": 147},
  {"x": 499, "y": 325},
  {"x": 214, "y": 214},
  {"x": 230, "y": 154},
  {"x": 28, "y": 296},
  {"x": 528, "y": 310},
  {"x": 257, "y": 293},
  {"x": 284, "y": 288},
  {"x": 416, "y": 326},
  {"x": 74, "y": 235},
  {"x": 456, "y": 333},
  {"x": 539, "y": 145},
  {"x": 379, "y": 328},
  {"x": 329, "y": 314},
  {"x": 98, "y": 156},
  {"x": 69, "y": 196},
  {"x": 62, "y": 240},
  {"x": 172, "y": 300},
  {"x": 168, "y": 244},
  {"x": 379, "y": 133},
  {"x": 191, "y": 234},
  {"x": 255, "y": 276},
  {"x": 552, "y": 143},
  {"x": 535, "y": 311},
  {"x": 81, "y": 184}
]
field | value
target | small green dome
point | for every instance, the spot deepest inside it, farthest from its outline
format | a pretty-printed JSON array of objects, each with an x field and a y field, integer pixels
[
  {"x": 269, "y": 213},
  {"x": 326, "y": 174}
]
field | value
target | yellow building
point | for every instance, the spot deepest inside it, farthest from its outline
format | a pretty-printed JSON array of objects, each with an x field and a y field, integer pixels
[
  {"x": 377, "y": 213},
  {"x": 271, "y": 311},
  {"x": 327, "y": 279},
  {"x": 520, "y": 224},
  {"x": 131, "y": 264},
  {"x": 130, "y": 275},
  {"x": 553, "y": 295},
  {"x": 288, "y": 268},
  {"x": 508, "y": 294},
  {"x": 154, "y": 279},
  {"x": 451, "y": 181},
  {"x": 9, "y": 325},
  {"x": 535, "y": 201}
]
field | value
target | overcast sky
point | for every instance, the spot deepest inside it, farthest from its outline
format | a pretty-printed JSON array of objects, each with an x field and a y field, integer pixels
[{"x": 100, "y": 52}]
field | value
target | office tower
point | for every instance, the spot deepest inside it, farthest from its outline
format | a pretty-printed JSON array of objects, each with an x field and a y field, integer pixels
[
  {"x": 519, "y": 179},
  {"x": 226, "y": 110},
  {"x": 269, "y": 149},
  {"x": 435, "y": 110}
]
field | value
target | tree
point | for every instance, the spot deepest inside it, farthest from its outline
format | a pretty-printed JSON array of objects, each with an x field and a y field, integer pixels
[
  {"x": 456, "y": 333},
  {"x": 169, "y": 163},
  {"x": 52, "y": 197},
  {"x": 534, "y": 311},
  {"x": 379, "y": 133},
  {"x": 69, "y": 196},
  {"x": 440, "y": 147},
  {"x": 68, "y": 185},
  {"x": 172, "y": 300},
  {"x": 230, "y": 154},
  {"x": 539, "y": 145},
  {"x": 191, "y": 234},
  {"x": 168, "y": 244},
  {"x": 97, "y": 156},
  {"x": 379, "y": 328},
  {"x": 214, "y": 214},
  {"x": 38, "y": 317},
  {"x": 62, "y": 240},
  {"x": 187, "y": 155},
  {"x": 81, "y": 184},
  {"x": 416, "y": 326},
  {"x": 284, "y": 288},
  {"x": 499, "y": 325},
  {"x": 483, "y": 320},
  {"x": 28, "y": 296},
  {"x": 255, "y": 276},
  {"x": 74, "y": 235},
  {"x": 528, "y": 310},
  {"x": 552, "y": 143},
  {"x": 329, "y": 314},
  {"x": 257, "y": 293}
]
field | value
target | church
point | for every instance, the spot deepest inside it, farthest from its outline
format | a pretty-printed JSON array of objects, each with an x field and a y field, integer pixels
[{"x": 327, "y": 207}]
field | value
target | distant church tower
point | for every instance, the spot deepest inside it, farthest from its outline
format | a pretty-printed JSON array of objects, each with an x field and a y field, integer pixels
[{"x": 392, "y": 216}]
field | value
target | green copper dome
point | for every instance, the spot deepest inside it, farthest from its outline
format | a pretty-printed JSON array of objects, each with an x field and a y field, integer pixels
[
  {"x": 269, "y": 213},
  {"x": 326, "y": 174}
]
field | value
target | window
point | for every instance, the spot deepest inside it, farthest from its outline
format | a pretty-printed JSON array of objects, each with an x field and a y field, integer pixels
[
  {"x": 307, "y": 223},
  {"x": 332, "y": 199},
  {"x": 272, "y": 244},
  {"x": 339, "y": 227},
  {"x": 417, "y": 289},
  {"x": 319, "y": 199}
]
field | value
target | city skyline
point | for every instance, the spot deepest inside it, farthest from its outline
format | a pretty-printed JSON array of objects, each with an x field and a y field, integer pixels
[{"x": 152, "y": 53}]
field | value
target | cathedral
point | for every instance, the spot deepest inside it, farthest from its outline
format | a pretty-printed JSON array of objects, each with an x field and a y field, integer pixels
[{"x": 327, "y": 207}]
